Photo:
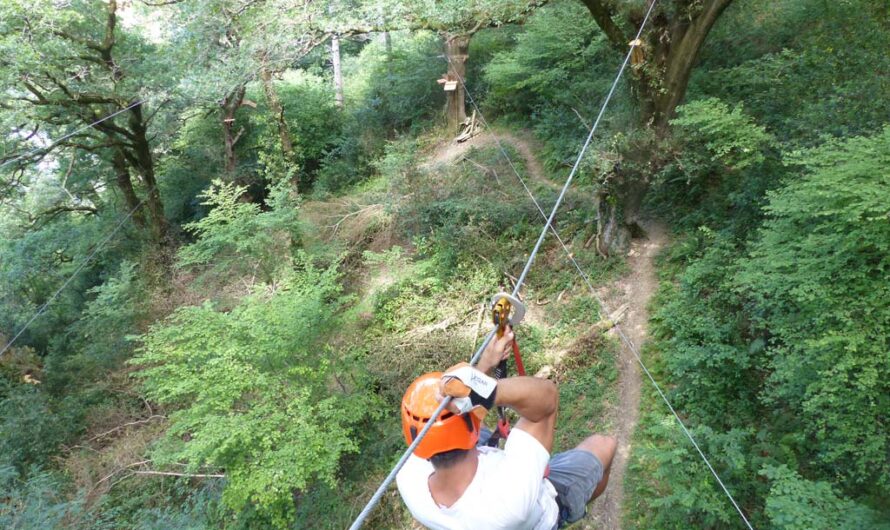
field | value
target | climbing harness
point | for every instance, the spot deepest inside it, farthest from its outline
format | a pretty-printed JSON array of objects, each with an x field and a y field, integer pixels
[{"x": 501, "y": 305}]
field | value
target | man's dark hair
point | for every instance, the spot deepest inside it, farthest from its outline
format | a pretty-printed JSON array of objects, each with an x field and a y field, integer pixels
[{"x": 447, "y": 459}]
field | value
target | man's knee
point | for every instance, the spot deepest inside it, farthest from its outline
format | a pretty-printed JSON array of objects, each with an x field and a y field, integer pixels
[{"x": 603, "y": 447}]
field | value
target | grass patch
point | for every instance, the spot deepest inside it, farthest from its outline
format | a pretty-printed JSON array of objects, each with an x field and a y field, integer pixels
[{"x": 587, "y": 377}]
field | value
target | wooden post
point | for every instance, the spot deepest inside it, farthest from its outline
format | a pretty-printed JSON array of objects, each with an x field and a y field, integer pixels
[{"x": 457, "y": 51}]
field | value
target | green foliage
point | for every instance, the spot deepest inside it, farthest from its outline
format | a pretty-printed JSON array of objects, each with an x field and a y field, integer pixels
[
  {"x": 33, "y": 425},
  {"x": 238, "y": 237},
  {"x": 727, "y": 136},
  {"x": 398, "y": 90},
  {"x": 681, "y": 492},
  {"x": 386, "y": 94},
  {"x": 798, "y": 504},
  {"x": 35, "y": 263},
  {"x": 788, "y": 335},
  {"x": 583, "y": 391},
  {"x": 829, "y": 79},
  {"x": 558, "y": 69},
  {"x": 36, "y": 502},
  {"x": 314, "y": 126},
  {"x": 183, "y": 508},
  {"x": 97, "y": 341},
  {"x": 718, "y": 165},
  {"x": 252, "y": 391},
  {"x": 816, "y": 284}
]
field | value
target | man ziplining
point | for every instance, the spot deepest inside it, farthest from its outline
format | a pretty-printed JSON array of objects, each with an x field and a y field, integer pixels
[{"x": 452, "y": 481}]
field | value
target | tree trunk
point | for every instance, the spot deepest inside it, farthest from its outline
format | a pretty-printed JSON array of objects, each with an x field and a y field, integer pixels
[
  {"x": 229, "y": 106},
  {"x": 387, "y": 45},
  {"x": 457, "y": 52},
  {"x": 676, "y": 44},
  {"x": 618, "y": 205},
  {"x": 338, "y": 73},
  {"x": 125, "y": 185},
  {"x": 144, "y": 164},
  {"x": 671, "y": 46},
  {"x": 287, "y": 146}
]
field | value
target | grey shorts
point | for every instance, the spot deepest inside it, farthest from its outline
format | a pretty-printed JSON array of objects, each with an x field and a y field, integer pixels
[{"x": 574, "y": 474}]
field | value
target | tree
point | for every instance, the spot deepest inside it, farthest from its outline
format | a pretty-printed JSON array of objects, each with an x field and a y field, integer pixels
[
  {"x": 670, "y": 47},
  {"x": 227, "y": 44},
  {"x": 454, "y": 20},
  {"x": 71, "y": 67},
  {"x": 255, "y": 392}
]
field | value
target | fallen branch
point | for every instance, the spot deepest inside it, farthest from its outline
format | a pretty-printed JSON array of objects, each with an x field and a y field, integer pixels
[
  {"x": 336, "y": 226},
  {"x": 176, "y": 474},
  {"x": 484, "y": 168},
  {"x": 608, "y": 323},
  {"x": 512, "y": 278},
  {"x": 116, "y": 471},
  {"x": 124, "y": 426}
]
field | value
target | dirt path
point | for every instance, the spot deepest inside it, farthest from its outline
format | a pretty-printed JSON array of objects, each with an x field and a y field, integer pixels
[
  {"x": 635, "y": 289},
  {"x": 523, "y": 143}
]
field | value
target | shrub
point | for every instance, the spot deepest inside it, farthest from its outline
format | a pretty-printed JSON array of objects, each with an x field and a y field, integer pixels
[
  {"x": 816, "y": 285},
  {"x": 37, "y": 501},
  {"x": 718, "y": 165},
  {"x": 798, "y": 504},
  {"x": 238, "y": 238},
  {"x": 256, "y": 392}
]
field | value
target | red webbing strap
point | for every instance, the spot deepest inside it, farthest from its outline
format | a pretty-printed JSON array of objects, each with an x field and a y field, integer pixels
[
  {"x": 503, "y": 422},
  {"x": 520, "y": 369}
]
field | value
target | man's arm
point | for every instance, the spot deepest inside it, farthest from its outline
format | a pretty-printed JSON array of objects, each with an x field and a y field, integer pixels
[
  {"x": 497, "y": 350},
  {"x": 536, "y": 401}
]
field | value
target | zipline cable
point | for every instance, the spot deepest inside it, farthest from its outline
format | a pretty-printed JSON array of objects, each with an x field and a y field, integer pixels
[
  {"x": 603, "y": 306},
  {"x": 75, "y": 133},
  {"x": 98, "y": 247},
  {"x": 366, "y": 511}
]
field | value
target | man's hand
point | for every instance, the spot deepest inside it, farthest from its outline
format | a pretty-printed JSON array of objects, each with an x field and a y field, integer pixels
[
  {"x": 498, "y": 350},
  {"x": 470, "y": 390}
]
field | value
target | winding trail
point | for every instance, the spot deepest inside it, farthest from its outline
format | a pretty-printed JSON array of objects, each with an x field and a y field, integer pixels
[
  {"x": 635, "y": 289},
  {"x": 522, "y": 142}
]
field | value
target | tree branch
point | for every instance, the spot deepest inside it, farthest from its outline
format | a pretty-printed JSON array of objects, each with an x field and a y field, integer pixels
[
  {"x": 125, "y": 425},
  {"x": 602, "y": 14},
  {"x": 161, "y": 4},
  {"x": 175, "y": 474}
]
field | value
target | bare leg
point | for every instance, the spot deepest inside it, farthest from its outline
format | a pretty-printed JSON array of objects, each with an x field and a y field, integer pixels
[{"x": 603, "y": 447}]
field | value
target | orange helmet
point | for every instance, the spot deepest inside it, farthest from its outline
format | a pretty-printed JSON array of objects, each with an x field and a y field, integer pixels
[{"x": 449, "y": 431}]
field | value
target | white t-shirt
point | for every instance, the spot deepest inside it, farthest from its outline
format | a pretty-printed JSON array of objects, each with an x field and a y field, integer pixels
[{"x": 508, "y": 492}]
